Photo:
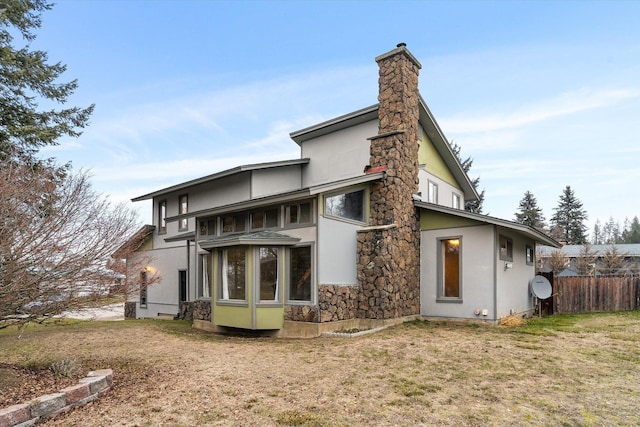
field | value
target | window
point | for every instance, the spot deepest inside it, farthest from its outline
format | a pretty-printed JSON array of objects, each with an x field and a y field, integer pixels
[
  {"x": 234, "y": 223},
  {"x": 432, "y": 197},
  {"x": 346, "y": 205},
  {"x": 162, "y": 216},
  {"x": 203, "y": 282},
  {"x": 506, "y": 249},
  {"x": 233, "y": 270},
  {"x": 299, "y": 213},
  {"x": 450, "y": 284},
  {"x": 143, "y": 289},
  {"x": 268, "y": 266},
  {"x": 300, "y": 273},
  {"x": 208, "y": 227},
  {"x": 456, "y": 201},
  {"x": 530, "y": 255},
  {"x": 265, "y": 218},
  {"x": 183, "y": 208}
]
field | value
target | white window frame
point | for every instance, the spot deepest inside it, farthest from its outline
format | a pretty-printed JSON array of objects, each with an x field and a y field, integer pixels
[{"x": 432, "y": 192}]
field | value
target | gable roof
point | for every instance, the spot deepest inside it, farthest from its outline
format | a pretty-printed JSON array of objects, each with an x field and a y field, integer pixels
[
  {"x": 530, "y": 232},
  {"x": 264, "y": 238},
  {"x": 222, "y": 174},
  {"x": 428, "y": 123},
  {"x": 134, "y": 242}
]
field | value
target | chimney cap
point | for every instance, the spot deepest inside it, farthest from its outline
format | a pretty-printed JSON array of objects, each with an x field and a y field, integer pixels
[
  {"x": 401, "y": 48},
  {"x": 401, "y": 44}
]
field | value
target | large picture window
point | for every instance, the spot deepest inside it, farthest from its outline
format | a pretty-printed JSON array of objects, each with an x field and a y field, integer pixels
[
  {"x": 450, "y": 283},
  {"x": 269, "y": 281},
  {"x": 234, "y": 274},
  {"x": 300, "y": 273},
  {"x": 346, "y": 205}
]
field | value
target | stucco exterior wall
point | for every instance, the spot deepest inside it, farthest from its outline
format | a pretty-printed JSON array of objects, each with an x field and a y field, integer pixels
[
  {"x": 337, "y": 252},
  {"x": 513, "y": 283},
  {"x": 266, "y": 182},
  {"x": 478, "y": 261},
  {"x": 342, "y": 154},
  {"x": 162, "y": 295}
]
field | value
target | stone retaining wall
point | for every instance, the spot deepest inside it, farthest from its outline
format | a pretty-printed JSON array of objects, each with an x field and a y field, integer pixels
[
  {"x": 95, "y": 384},
  {"x": 195, "y": 310}
]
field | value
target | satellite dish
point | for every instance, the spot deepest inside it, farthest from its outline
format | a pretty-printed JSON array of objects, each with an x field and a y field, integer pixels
[{"x": 540, "y": 287}]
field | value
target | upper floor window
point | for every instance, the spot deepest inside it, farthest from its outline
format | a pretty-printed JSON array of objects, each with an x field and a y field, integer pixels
[
  {"x": 506, "y": 249},
  {"x": 234, "y": 223},
  {"x": 162, "y": 216},
  {"x": 299, "y": 213},
  {"x": 183, "y": 208},
  {"x": 208, "y": 227},
  {"x": 346, "y": 205},
  {"x": 433, "y": 193},
  {"x": 456, "y": 201},
  {"x": 265, "y": 218}
]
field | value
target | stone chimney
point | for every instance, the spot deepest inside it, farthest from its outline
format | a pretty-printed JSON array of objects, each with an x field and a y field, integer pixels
[{"x": 389, "y": 250}]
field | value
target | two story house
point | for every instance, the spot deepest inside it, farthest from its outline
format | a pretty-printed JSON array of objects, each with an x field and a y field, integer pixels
[{"x": 367, "y": 227}]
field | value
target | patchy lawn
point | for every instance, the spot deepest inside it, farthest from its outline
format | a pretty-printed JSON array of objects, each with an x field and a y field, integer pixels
[{"x": 559, "y": 370}]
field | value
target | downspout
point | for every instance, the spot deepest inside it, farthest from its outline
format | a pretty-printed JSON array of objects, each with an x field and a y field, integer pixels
[
  {"x": 495, "y": 273},
  {"x": 188, "y": 271}
]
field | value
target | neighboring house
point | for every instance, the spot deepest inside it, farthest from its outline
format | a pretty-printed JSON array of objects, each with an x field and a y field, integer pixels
[
  {"x": 630, "y": 262},
  {"x": 366, "y": 227}
]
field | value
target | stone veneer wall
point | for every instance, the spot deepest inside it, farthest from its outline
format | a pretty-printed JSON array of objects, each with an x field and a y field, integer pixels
[
  {"x": 198, "y": 310},
  {"x": 130, "y": 310},
  {"x": 389, "y": 250},
  {"x": 337, "y": 302},
  {"x": 301, "y": 313}
]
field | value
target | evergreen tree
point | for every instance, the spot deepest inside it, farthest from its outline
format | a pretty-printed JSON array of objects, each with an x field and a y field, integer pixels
[
  {"x": 597, "y": 233},
  {"x": 633, "y": 234},
  {"x": 569, "y": 217},
  {"x": 474, "y": 206},
  {"x": 26, "y": 80},
  {"x": 529, "y": 212}
]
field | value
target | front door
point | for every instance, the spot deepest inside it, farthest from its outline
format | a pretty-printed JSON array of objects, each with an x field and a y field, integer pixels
[{"x": 182, "y": 285}]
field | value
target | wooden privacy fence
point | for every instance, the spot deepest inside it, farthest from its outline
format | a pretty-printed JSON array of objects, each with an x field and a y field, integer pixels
[{"x": 600, "y": 293}]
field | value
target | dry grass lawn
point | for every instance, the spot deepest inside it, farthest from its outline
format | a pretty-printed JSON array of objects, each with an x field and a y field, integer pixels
[{"x": 559, "y": 370}]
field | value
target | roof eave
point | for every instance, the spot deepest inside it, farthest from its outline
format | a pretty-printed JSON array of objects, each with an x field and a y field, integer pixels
[{"x": 537, "y": 235}]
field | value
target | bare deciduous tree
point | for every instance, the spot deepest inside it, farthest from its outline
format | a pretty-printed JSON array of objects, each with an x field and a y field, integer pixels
[
  {"x": 613, "y": 260},
  {"x": 557, "y": 261},
  {"x": 585, "y": 261},
  {"x": 57, "y": 236}
]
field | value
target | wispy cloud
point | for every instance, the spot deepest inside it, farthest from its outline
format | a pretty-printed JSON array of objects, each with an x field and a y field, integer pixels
[{"x": 562, "y": 105}]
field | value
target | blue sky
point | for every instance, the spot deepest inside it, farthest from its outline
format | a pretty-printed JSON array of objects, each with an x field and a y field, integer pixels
[{"x": 540, "y": 94}]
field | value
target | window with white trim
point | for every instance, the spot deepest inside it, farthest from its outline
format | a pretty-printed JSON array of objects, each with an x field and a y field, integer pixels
[
  {"x": 432, "y": 196},
  {"x": 506, "y": 248},
  {"x": 162, "y": 216},
  {"x": 455, "y": 203}
]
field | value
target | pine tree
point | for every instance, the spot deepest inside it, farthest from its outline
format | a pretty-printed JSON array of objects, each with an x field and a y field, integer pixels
[
  {"x": 569, "y": 217},
  {"x": 474, "y": 206},
  {"x": 633, "y": 235},
  {"x": 597, "y": 233},
  {"x": 529, "y": 212},
  {"x": 27, "y": 79}
]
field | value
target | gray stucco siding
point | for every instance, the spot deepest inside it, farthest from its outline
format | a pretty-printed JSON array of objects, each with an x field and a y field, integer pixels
[
  {"x": 337, "y": 252},
  {"x": 477, "y": 280},
  {"x": 339, "y": 155}
]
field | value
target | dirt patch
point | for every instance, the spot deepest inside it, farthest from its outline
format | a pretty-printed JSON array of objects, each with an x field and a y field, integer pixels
[{"x": 576, "y": 371}]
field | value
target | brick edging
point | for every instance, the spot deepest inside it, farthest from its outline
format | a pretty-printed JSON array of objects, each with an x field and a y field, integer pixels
[{"x": 95, "y": 384}]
